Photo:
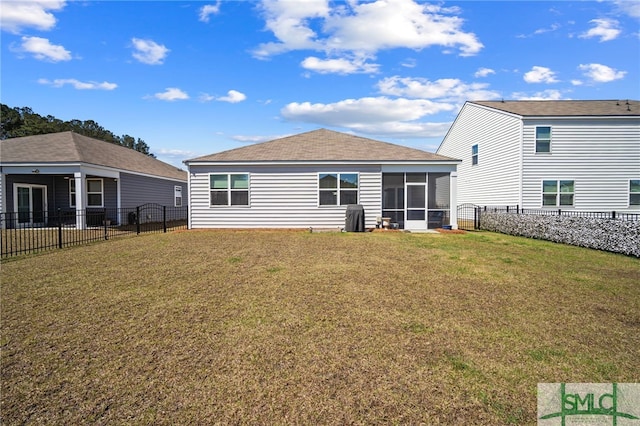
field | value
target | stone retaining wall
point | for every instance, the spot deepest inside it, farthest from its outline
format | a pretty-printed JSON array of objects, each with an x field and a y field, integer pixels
[{"x": 619, "y": 236}]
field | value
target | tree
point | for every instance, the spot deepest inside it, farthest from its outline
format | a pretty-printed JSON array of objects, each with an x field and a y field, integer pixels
[
  {"x": 17, "y": 122},
  {"x": 10, "y": 121}
]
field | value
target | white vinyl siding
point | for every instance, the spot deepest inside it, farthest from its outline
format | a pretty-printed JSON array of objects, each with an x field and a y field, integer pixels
[
  {"x": 495, "y": 180},
  {"x": 281, "y": 197},
  {"x": 600, "y": 155}
]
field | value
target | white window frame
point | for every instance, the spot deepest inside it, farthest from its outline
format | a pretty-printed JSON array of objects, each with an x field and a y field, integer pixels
[
  {"x": 338, "y": 190},
  {"x": 536, "y": 139},
  {"x": 94, "y": 193},
  {"x": 177, "y": 195},
  {"x": 474, "y": 154},
  {"x": 558, "y": 194},
  {"x": 633, "y": 192},
  {"x": 230, "y": 190}
]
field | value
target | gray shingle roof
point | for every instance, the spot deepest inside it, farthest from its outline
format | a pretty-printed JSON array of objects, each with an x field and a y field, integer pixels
[
  {"x": 591, "y": 108},
  {"x": 70, "y": 147},
  {"x": 322, "y": 145}
]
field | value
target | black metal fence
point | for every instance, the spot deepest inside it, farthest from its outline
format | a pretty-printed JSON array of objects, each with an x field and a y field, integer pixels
[
  {"x": 470, "y": 215},
  {"x": 29, "y": 232}
]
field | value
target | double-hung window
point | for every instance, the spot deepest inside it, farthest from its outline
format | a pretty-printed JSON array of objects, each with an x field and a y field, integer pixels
[
  {"x": 634, "y": 192},
  {"x": 557, "y": 193},
  {"x": 337, "y": 189},
  {"x": 543, "y": 139},
  {"x": 95, "y": 196},
  {"x": 177, "y": 196},
  {"x": 229, "y": 189},
  {"x": 72, "y": 192},
  {"x": 474, "y": 155}
]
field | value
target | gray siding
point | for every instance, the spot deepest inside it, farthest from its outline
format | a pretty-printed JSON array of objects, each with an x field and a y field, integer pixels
[
  {"x": 281, "y": 197},
  {"x": 495, "y": 180},
  {"x": 137, "y": 190},
  {"x": 47, "y": 181},
  {"x": 600, "y": 156}
]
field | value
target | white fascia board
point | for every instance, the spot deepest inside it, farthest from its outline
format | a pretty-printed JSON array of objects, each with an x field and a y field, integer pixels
[
  {"x": 70, "y": 168},
  {"x": 581, "y": 117},
  {"x": 322, "y": 163}
]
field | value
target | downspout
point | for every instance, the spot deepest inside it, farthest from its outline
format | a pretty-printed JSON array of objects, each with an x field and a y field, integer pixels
[{"x": 521, "y": 162}]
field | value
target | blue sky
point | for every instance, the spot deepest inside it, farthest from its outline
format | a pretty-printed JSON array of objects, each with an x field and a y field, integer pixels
[{"x": 192, "y": 78}]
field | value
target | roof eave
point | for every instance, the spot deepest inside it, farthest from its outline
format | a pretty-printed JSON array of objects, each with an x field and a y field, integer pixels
[{"x": 320, "y": 162}]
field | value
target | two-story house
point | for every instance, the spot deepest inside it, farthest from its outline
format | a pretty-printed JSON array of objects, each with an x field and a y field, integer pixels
[{"x": 569, "y": 155}]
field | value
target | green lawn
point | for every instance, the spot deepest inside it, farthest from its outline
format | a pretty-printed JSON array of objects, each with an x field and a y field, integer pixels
[{"x": 281, "y": 327}]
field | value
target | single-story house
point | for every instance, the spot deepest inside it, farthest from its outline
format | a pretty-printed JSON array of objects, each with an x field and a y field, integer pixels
[
  {"x": 42, "y": 174},
  {"x": 309, "y": 179},
  {"x": 568, "y": 155}
]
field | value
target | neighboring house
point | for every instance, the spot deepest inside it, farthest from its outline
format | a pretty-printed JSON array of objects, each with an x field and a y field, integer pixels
[
  {"x": 569, "y": 155},
  {"x": 44, "y": 173},
  {"x": 307, "y": 180}
]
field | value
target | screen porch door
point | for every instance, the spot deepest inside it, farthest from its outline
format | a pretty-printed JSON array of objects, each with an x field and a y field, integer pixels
[{"x": 416, "y": 202}]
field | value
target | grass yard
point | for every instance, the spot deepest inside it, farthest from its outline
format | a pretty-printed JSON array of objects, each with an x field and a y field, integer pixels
[{"x": 277, "y": 327}]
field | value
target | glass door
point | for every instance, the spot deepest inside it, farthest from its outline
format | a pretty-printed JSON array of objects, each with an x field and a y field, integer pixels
[{"x": 31, "y": 204}]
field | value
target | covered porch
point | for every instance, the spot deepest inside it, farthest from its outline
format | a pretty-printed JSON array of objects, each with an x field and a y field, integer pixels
[{"x": 38, "y": 193}]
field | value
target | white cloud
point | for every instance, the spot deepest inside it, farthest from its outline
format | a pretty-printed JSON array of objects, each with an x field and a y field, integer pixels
[
  {"x": 483, "y": 72},
  {"x": 42, "y": 49},
  {"x": 339, "y": 66},
  {"x": 409, "y": 63},
  {"x": 288, "y": 21},
  {"x": 171, "y": 94},
  {"x": 148, "y": 51},
  {"x": 207, "y": 10},
  {"x": 205, "y": 97},
  {"x": 550, "y": 29},
  {"x": 605, "y": 29},
  {"x": 399, "y": 23},
  {"x": 359, "y": 30},
  {"x": 545, "y": 95},
  {"x": 599, "y": 73},
  {"x": 233, "y": 96},
  {"x": 379, "y": 115},
  {"x": 445, "y": 89},
  {"x": 540, "y": 75},
  {"x": 79, "y": 85},
  {"x": 16, "y": 15},
  {"x": 628, "y": 7},
  {"x": 256, "y": 138}
]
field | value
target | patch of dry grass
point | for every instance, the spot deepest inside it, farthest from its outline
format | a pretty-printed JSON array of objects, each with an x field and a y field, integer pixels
[{"x": 278, "y": 327}]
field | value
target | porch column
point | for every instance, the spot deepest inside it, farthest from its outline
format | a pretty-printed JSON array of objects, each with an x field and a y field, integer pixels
[
  {"x": 81, "y": 209},
  {"x": 3, "y": 207},
  {"x": 453, "y": 188}
]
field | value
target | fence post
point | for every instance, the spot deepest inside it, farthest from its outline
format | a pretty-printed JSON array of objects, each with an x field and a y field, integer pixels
[
  {"x": 164, "y": 218},
  {"x": 104, "y": 223},
  {"x": 138, "y": 220},
  {"x": 59, "y": 228}
]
